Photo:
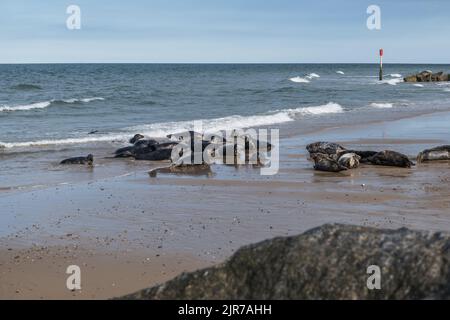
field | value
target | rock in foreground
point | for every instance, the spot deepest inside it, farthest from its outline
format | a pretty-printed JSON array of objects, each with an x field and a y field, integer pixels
[{"x": 329, "y": 262}]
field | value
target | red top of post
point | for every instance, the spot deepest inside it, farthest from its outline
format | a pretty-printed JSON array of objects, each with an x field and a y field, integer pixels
[{"x": 381, "y": 52}]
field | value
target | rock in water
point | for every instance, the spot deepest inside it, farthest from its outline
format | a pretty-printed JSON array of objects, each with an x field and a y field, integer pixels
[
  {"x": 427, "y": 76},
  {"x": 329, "y": 262}
]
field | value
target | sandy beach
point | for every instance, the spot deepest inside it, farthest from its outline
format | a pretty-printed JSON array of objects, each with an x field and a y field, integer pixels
[{"x": 132, "y": 231}]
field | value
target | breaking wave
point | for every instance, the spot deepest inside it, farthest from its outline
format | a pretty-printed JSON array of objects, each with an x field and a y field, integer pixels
[
  {"x": 45, "y": 104},
  {"x": 299, "y": 80},
  {"x": 160, "y": 130},
  {"x": 392, "y": 82},
  {"x": 381, "y": 105}
]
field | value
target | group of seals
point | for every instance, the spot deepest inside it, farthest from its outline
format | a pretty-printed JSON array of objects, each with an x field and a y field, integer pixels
[
  {"x": 332, "y": 157},
  {"x": 174, "y": 150},
  {"x": 214, "y": 149}
]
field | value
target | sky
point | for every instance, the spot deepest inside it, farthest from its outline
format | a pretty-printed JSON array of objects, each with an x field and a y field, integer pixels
[{"x": 224, "y": 31}]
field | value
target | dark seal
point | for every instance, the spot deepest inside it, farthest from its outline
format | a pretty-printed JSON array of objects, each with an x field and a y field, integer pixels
[{"x": 89, "y": 160}]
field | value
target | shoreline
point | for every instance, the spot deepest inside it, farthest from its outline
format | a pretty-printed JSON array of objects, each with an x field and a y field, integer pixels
[
  {"x": 288, "y": 130},
  {"x": 194, "y": 222}
]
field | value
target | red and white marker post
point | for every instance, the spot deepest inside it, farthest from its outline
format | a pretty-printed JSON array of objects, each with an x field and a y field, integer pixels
[{"x": 381, "y": 64}]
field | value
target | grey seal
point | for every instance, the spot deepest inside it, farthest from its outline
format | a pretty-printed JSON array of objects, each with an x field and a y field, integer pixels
[
  {"x": 136, "y": 138},
  {"x": 131, "y": 151},
  {"x": 363, "y": 155},
  {"x": 434, "y": 154},
  {"x": 89, "y": 160},
  {"x": 184, "y": 165},
  {"x": 349, "y": 160},
  {"x": 330, "y": 148},
  {"x": 390, "y": 158},
  {"x": 323, "y": 162}
]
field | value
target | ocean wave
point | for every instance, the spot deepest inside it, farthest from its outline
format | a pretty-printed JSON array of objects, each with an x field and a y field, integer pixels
[
  {"x": 382, "y": 105},
  {"x": 330, "y": 107},
  {"x": 45, "y": 104},
  {"x": 340, "y": 72},
  {"x": 75, "y": 100},
  {"x": 418, "y": 85},
  {"x": 395, "y": 75},
  {"x": 26, "y": 86},
  {"x": 299, "y": 80},
  {"x": 392, "y": 82},
  {"x": 160, "y": 130},
  {"x": 49, "y": 142},
  {"x": 312, "y": 75},
  {"x": 37, "y": 105}
]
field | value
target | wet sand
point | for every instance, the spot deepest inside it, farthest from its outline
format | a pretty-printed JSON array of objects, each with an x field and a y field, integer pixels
[{"x": 111, "y": 226}]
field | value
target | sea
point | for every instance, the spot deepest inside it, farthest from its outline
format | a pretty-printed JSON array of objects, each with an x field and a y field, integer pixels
[{"x": 52, "y": 111}]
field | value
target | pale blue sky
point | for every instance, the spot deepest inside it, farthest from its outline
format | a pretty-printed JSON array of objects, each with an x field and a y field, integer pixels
[{"x": 224, "y": 31}]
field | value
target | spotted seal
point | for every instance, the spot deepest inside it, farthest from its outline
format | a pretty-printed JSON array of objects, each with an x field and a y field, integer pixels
[
  {"x": 324, "y": 147},
  {"x": 349, "y": 160},
  {"x": 323, "y": 162}
]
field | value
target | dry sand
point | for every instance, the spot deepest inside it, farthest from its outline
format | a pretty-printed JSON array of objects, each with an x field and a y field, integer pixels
[{"x": 133, "y": 231}]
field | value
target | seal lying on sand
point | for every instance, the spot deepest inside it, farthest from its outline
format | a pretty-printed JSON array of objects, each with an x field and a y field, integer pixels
[
  {"x": 323, "y": 162},
  {"x": 131, "y": 151},
  {"x": 184, "y": 165},
  {"x": 390, "y": 158},
  {"x": 156, "y": 152},
  {"x": 89, "y": 160},
  {"x": 364, "y": 155},
  {"x": 349, "y": 160},
  {"x": 435, "y": 154},
  {"x": 329, "y": 148}
]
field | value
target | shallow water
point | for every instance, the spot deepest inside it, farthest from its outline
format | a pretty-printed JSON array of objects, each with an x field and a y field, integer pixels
[{"x": 47, "y": 111}]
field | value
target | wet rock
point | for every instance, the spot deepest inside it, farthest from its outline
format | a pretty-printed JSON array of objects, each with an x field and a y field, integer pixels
[
  {"x": 427, "y": 76},
  {"x": 329, "y": 262}
]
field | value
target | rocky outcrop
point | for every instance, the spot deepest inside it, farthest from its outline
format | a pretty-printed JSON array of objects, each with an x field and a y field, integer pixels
[
  {"x": 329, "y": 262},
  {"x": 427, "y": 76}
]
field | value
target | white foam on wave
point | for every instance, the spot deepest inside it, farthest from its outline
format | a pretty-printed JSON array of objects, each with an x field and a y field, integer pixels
[
  {"x": 85, "y": 100},
  {"x": 392, "y": 82},
  {"x": 312, "y": 76},
  {"x": 299, "y": 80},
  {"x": 330, "y": 107},
  {"x": 340, "y": 72},
  {"x": 50, "y": 142},
  {"x": 395, "y": 75},
  {"x": 418, "y": 85},
  {"x": 37, "y": 105},
  {"x": 382, "y": 105},
  {"x": 45, "y": 104},
  {"x": 160, "y": 130}
]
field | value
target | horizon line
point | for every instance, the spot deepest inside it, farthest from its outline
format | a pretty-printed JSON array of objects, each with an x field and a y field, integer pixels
[{"x": 224, "y": 63}]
